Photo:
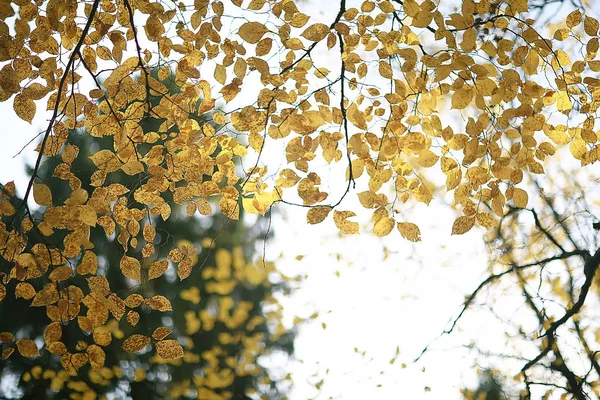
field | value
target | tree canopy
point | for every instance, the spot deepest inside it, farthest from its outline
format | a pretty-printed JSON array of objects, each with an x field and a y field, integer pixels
[{"x": 367, "y": 109}]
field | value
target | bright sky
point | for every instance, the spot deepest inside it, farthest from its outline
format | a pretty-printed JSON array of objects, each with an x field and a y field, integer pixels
[{"x": 376, "y": 303}]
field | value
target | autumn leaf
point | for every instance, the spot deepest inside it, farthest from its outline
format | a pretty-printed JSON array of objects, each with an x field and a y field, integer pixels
[
  {"x": 27, "y": 348},
  {"x": 135, "y": 343},
  {"x": 24, "y": 107},
  {"x": 409, "y": 231},
  {"x": 383, "y": 226},
  {"x": 520, "y": 198},
  {"x": 462, "y": 225},
  {"x": 169, "y": 349},
  {"x": 341, "y": 221},
  {"x": 252, "y": 32},
  {"x": 131, "y": 268},
  {"x": 42, "y": 194},
  {"x": 160, "y": 303},
  {"x": 316, "y": 32},
  {"x": 317, "y": 215}
]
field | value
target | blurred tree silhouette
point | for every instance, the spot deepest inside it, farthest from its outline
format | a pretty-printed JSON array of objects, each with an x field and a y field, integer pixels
[
  {"x": 489, "y": 388},
  {"x": 226, "y": 314}
]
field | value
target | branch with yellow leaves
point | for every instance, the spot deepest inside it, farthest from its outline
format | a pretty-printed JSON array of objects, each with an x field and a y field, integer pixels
[{"x": 55, "y": 112}]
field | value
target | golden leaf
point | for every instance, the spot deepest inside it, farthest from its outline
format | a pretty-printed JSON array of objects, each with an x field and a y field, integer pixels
[
  {"x": 24, "y": 107},
  {"x": 159, "y": 303},
  {"x": 462, "y": 225},
  {"x": 157, "y": 269},
  {"x": 42, "y": 194},
  {"x": 169, "y": 349},
  {"x": 486, "y": 220},
  {"x": 7, "y": 352},
  {"x": 264, "y": 47},
  {"x": 96, "y": 356},
  {"x": 106, "y": 161},
  {"x": 520, "y": 198},
  {"x": 135, "y": 343},
  {"x": 161, "y": 332},
  {"x": 60, "y": 274},
  {"x": 590, "y": 26},
  {"x": 409, "y": 231},
  {"x": 316, "y": 32},
  {"x": 341, "y": 221},
  {"x": 89, "y": 263},
  {"x": 134, "y": 300},
  {"x": 130, "y": 267},
  {"x": 462, "y": 97},
  {"x": 53, "y": 333},
  {"x": 573, "y": 19},
  {"x": 317, "y": 215},
  {"x": 24, "y": 290},
  {"x": 133, "y": 317},
  {"x": 252, "y": 32},
  {"x": 383, "y": 226},
  {"x": 27, "y": 348},
  {"x": 102, "y": 338},
  {"x": 518, "y": 6},
  {"x": 6, "y": 337}
]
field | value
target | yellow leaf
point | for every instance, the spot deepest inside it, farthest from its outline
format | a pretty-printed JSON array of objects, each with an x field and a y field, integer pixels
[
  {"x": 317, "y": 215},
  {"x": 462, "y": 97},
  {"x": 160, "y": 333},
  {"x": 42, "y": 194},
  {"x": 24, "y": 290},
  {"x": 486, "y": 220},
  {"x": 341, "y": 221},
  {"x": 157, "y": 268},
  {"x": 462, "y": 225},
  {"x": 520, "y": 197},
  {"x": 385, "y": 70},
  {"x": 219, "y": 118},
  {"x": 532, "y": 61},
  {"x": 27, "y": 348},
  {"x": 106, "y": 160},
  {"x": 252, "y": 32},
  {"x": 60, "y": 274},
  {"x": 409, "y": 231},
  {"x": 573, "y": 19},
  {"x": 89, "y": 263},
  {"x": 130, "y": 267},
  {"x": 24, "y": 107},
  {"x": 264, "y": 47},
  {"x": 383, "y": 226},
  {"x": 169, "y": 349},
  {"x": 53, "y": 332},
  {"x": 159, "y": 303},
  {"x": 316, "y": 32},
  {"x": 518, "y": 6},
  {"x": 563, "y": 102},
  {"x": 220, "y": 74},
  {"x": 96, "y": 356},
  {"x": 590, "y": 26},
  {"x": 135, "y": 343}
]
